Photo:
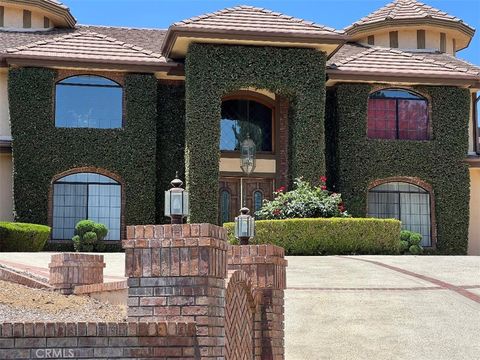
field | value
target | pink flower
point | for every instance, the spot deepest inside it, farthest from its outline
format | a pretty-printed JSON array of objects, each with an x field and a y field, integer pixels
[
  {"x": 323, "y": 179},
  {"x": 323, "y": 187},
  {"x": 341, "y": 207},
  {"x": 276, "y": 212},
  {"x": 281, "y": 189}
]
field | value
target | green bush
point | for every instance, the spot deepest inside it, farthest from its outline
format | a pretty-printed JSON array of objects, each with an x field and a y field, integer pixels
[
  {"x": 89, "y": 236},
  {"x": 305, "y": 201},
  {"x": 23, "y": 237},
  {"x": 334, "y": 236},
  {"x": 410, "y": 243}
]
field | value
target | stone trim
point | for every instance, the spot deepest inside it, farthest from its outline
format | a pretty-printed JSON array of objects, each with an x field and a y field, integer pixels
[
  {"x": 18, "y": 278},
  {"x": 94, "y": 288},
  {"x": 96, "y": 170},
  {"x": 420, "y": 183}
]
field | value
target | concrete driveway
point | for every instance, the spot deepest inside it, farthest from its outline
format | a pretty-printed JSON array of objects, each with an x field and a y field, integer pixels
[
  {"x": 383, "y": 307},
  {"x": 363, "y": 307}
]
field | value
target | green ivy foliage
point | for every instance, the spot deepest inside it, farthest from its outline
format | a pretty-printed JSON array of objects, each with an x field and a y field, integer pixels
[
  {"x": 41, "y": 151},
  {"x": 170, "y": 140},
  {"x": 320, "y": 236},
  {"x": 213, "y": 71},
  {"x": 356, "y": 161}
]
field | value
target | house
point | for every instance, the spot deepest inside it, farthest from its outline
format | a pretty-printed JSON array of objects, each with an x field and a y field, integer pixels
[{"x": 95, "y": 121}]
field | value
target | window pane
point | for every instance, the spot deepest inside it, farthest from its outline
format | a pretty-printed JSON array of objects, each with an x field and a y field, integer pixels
[
  {"x": 257, "y": 200},
  {"x": 415, "y": 210},
  {"x": 68, "y": 209},
  {"x": 242, "y": 117},
  {"x": 413, "y": 119},
  {"x": 381, "y": 119},
  {"x": 88, "y": 102},
  {"x": 225, "y": 206},
  {"x": 394, "y": 94}
]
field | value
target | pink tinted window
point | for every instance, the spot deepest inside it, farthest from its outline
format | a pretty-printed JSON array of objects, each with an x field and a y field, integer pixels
[
  {"x": 412, "y": 120},
  {"x": 397, "y": 114}
]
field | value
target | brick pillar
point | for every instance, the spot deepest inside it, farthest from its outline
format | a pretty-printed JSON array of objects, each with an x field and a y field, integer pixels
[
  {"x": 177, "y": 273},
  {"x": 68, "y": 270},
  {"x": 265, "y": 265}
]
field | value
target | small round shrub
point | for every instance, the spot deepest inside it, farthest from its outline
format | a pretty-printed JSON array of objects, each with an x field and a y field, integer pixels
[
  {"x": 404, "y": 245},
  {"x": 405, "y": 235},
  {"x": 415, "y": 249},
  {"x": 415, "y": 239},
  {"x": 89, "y": 236}
]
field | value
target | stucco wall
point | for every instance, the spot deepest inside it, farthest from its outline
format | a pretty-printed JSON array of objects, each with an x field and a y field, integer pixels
[
  {"x": 4, "y": 112},
  {"x": 6, "y": 203},
  {"x": 13, "y": 19},
  {"x": 474, "y": 228}
]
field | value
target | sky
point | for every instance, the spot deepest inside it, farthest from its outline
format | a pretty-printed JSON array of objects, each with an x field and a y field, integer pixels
[{"x": 333, "y": 13}]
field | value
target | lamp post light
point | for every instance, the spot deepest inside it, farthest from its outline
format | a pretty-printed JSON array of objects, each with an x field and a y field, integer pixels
[
  {"x": 244, "y": 226},
  {"x": 176, "y": 201},
  {"x": 247, "y": 155}
]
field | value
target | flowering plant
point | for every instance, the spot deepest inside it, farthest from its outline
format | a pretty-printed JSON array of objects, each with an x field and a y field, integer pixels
[{"x": 305, "y": 201}]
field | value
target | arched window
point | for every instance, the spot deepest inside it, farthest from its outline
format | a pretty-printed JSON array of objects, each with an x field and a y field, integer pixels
[
  {"x": 83, "y": 196},
  {"x": 88, "y": 101},
  {"x": 257, "y": 200},
  {"x": 224, "y": 206},
  {"x": 403, "y": 201},
  {"x": 241, "y": 117},
  {"x": 397, "y": 114}
]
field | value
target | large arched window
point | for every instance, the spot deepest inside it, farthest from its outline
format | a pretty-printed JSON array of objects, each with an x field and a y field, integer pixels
[
  {"x": 88, "y": 101},
  {"x": 403, "y": 201},
  {"x": 397, "y": 114},
  {"x": 242, "y": 117},
  {"x": 83, "y": 196}
]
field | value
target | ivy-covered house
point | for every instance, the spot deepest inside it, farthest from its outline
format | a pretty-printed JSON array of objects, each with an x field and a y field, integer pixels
[{"x": 94, "y": 121}]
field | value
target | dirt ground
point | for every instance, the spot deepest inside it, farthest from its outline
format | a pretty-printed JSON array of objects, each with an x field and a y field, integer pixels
[{"x": 20, "y": 303}]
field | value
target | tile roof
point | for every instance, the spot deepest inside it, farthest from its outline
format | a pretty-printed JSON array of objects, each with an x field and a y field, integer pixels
[
  {"x": 87, "y": 46},
  {"x": 249, "y": 18},
  {"x": 405, "y": 10},
  {"x": 151, "y": 39},
  {"x": 355, "y": 58}
]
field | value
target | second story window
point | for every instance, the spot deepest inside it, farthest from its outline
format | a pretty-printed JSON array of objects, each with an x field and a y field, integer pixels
[
  {"x": 88, "y": 101},
  {"x": 397, "y": 114}
]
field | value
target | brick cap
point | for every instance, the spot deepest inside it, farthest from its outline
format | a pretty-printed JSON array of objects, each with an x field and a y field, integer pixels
[
  {"x": 90, "y": 329},
  {"x": 76, "y": 259},
  {"x": 256, "y": 254}
]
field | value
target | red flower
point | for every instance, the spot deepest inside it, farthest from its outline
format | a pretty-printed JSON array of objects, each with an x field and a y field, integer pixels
[
  {"x": 323, "y": 187},
  {"x": 281, "y": 189},
  {"x": 276, "y": 212},
  {"x": 341, "y": 207},
  {"x": 323, "y": 179}
]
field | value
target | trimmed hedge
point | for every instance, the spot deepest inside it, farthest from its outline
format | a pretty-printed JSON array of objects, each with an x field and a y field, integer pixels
[
  {"x": 357, "y": 161},
  {"x": 213, "y": 71},
  {"x": 23, "y": 237},
  {"x": 334, "y": 236},
  {"x": 170, "y": 140},
  {"x": 41, "y": 151}
]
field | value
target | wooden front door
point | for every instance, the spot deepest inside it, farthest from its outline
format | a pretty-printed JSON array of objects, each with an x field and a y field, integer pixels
[{"x": 255, "y": 190}]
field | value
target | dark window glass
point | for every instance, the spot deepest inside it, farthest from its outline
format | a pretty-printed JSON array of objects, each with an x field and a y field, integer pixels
[
  {"x": 257, "y": 200},
  {"x": 443, "y": 42},
  {"x": 27, "y": 19},
  {"x": 393, "y": 39},
  {"x": 85, "y": 196},
  {"x": 2, "y": 15},
  {"x": 371, "y": 39},
  {"x": 225, "y": 206},
  {"x": 245, "y": 117},
  {"x": 421, "y": 39},
  {"x": 397, "y": 114},
  {"x": 88, "y": 101},
  {"x": 476, "y": 114},
  {"x": 406, "y": 202}
]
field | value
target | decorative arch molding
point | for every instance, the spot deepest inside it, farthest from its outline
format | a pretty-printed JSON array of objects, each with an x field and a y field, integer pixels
[
  {"x": 417, "y": 182},
  {"x": 95, "y": 170},
  {"x": 250, "y": 95}
]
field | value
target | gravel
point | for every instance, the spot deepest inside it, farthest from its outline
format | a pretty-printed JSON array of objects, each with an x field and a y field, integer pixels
[{"x": 19, "y": 303}]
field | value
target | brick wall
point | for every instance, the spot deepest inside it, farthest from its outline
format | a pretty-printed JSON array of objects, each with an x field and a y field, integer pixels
[
  {"x": 68, "y": 270},
  {"x": 177, "y": 273},
  {"x": 160, "y": 340}
]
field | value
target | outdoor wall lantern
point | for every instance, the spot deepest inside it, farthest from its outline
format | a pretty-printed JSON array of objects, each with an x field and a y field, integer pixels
[
  {"x": 247, "y": 155},
  {"x": 176, "y": 201},
  {"x": 244, "y": 226}
]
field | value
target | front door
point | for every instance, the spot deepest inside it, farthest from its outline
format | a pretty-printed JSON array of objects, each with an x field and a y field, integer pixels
[{"x": 253, "y": 189}]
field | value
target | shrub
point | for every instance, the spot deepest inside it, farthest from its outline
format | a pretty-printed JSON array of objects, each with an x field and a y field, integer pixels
[
  {"x": 23, "y": 237},
  {"x": 335, "y": 236},
  {"x": 89, "y": 236},
  {"x": 410, "y": 242},
  {"x": 305, "y": 201}
]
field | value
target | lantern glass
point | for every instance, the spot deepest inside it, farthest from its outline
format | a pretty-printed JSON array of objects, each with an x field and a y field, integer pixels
[
  {"x": 176, "y": 203},
  {"x": 247, "y": 156},
  {"x": 244, "y": 226}
]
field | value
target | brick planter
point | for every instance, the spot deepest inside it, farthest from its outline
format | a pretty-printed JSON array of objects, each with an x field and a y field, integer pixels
[{"x": 68, "y": 270}]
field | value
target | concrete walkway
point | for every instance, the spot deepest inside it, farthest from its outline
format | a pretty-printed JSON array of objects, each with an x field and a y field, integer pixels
[{"x": 363, "y": 307}]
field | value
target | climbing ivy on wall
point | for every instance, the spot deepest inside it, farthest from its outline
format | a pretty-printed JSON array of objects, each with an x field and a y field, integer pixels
[
  {"x": 171, "y": 140},
  {"x": 41, "y": 151},
  {"x": 355, "y": 161},
  {"x": 213, "y": 71}
]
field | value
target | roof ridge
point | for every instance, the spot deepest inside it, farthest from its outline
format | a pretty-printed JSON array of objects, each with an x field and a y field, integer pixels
[{"x": 77, "y": 26}]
